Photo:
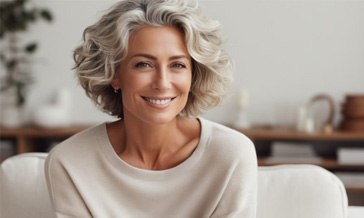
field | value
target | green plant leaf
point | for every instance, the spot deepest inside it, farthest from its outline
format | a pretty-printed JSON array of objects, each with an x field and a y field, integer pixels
[
  {"x": 11, "y": 64},
  {"x": 2, "y": 58},
  {"x": 20, "y": 93},
  {"x": 32, "y": 47},
  {"x": 16, "y": 17},
  {"x": 29, "y": 16},
  {"x": 20, "y": 2},
  {"x": 45, "y": 14}
]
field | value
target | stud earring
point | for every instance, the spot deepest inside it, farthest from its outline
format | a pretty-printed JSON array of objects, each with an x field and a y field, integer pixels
[{"x": 116, "y": 91}]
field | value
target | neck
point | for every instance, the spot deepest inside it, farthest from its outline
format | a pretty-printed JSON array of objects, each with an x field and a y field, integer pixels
[
  {"x": 149, "y": 137},
  {"x": 150, "y": 145}
]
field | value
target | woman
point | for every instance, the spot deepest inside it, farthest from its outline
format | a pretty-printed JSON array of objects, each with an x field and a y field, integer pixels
[{"x": 156, "y": 65}]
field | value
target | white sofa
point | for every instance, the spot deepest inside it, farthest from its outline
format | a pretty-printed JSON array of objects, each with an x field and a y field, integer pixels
[{"x": 285, "y": 191}]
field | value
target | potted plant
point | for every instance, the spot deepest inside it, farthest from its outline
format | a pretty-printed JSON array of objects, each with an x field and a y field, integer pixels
[{"x": 16, "y": 17}]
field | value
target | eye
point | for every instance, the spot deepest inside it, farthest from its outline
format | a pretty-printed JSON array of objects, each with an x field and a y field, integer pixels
[
  {"x": 178, "y": 65},
  {"x": 142, "y": 65}
]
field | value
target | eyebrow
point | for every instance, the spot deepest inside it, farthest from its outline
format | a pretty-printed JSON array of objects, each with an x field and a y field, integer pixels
[{"x": 155, "y": 58}]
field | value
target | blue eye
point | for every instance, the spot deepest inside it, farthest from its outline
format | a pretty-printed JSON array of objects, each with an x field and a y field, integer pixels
[
  {"x": 178, "y": 65},
  {"x": 142, "y": 65}
]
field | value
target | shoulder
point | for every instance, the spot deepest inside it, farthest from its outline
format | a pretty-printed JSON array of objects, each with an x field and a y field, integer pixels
[
  {"x": 227, "y": 142},
  {"x": 80, "y": 144},
  {"x": 225, "y": 137}
]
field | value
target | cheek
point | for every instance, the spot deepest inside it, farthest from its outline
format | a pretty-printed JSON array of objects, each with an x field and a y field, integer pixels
[
  {"x": 185, "y": 81},
  {"x": 132, "y": 81}
]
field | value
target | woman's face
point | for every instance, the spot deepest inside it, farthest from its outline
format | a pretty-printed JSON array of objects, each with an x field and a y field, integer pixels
[{"x": 155, "y": 77}]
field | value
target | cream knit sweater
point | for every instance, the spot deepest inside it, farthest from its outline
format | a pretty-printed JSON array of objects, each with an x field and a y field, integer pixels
[{"x": 86, "y": 178}]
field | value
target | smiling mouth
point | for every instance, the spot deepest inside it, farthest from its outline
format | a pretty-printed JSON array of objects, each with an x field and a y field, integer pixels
[{"x": 163, "y": 101}]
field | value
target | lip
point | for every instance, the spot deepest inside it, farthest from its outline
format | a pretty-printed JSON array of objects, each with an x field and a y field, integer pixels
[
  {"x": 159, "y": 98},
  {"x": 158, "y": 102}
]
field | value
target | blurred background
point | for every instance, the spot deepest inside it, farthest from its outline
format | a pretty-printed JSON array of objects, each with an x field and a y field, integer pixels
[
  {"x": 299, "y": 68},
  {"x": 285, "y": 52}
]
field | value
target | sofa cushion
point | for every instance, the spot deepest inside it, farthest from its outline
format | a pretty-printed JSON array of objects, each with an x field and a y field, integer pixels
[
  {"x": 284, "y": 191},
  {"x": 300, "y": 191},
  {"x": 23, "y": 187}
]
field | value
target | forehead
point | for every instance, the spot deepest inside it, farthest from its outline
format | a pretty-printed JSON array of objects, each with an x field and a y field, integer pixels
[{"x": 158, "y": 40}]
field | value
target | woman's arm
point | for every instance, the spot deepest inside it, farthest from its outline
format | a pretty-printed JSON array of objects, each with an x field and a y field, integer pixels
[
  {"x": 65, "y": 198},
  {"x": 240, "y": 196}
]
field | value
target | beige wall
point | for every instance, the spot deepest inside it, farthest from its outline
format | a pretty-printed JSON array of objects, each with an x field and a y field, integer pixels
[{"x": 284, "y": 52}]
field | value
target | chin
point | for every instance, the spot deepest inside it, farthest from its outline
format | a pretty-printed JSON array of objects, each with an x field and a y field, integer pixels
[
  {"x": 153, "y": 117},
  {"x": 161, "y": 119}
]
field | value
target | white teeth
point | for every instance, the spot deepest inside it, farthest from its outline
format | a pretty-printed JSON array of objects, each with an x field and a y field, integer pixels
[{"x": 159, "y": 102}]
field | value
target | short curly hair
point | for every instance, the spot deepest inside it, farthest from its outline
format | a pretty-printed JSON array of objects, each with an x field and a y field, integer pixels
[{"x": 105, "y": 43}]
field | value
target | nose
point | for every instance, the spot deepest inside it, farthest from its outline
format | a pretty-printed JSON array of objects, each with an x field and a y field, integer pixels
[{"x": 162, "y": 79}]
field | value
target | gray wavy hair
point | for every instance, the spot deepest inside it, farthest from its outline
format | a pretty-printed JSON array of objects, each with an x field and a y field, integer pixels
[{"x": 105, "y": 43}]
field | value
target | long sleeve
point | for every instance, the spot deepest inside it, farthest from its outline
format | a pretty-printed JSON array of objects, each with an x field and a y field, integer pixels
[
  {"x": 240, "y": 196},
  {"x": 65, "y": 198}
]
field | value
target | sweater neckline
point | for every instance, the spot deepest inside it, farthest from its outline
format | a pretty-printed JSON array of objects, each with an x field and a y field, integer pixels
[{"x": 119, "y": 163}]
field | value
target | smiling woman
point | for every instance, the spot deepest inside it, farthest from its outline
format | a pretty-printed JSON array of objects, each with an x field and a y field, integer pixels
[
  {"x": 156, "y": 65},
  {"x": 155, "y": 76},
  {"x": 106, "y": 45}
]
